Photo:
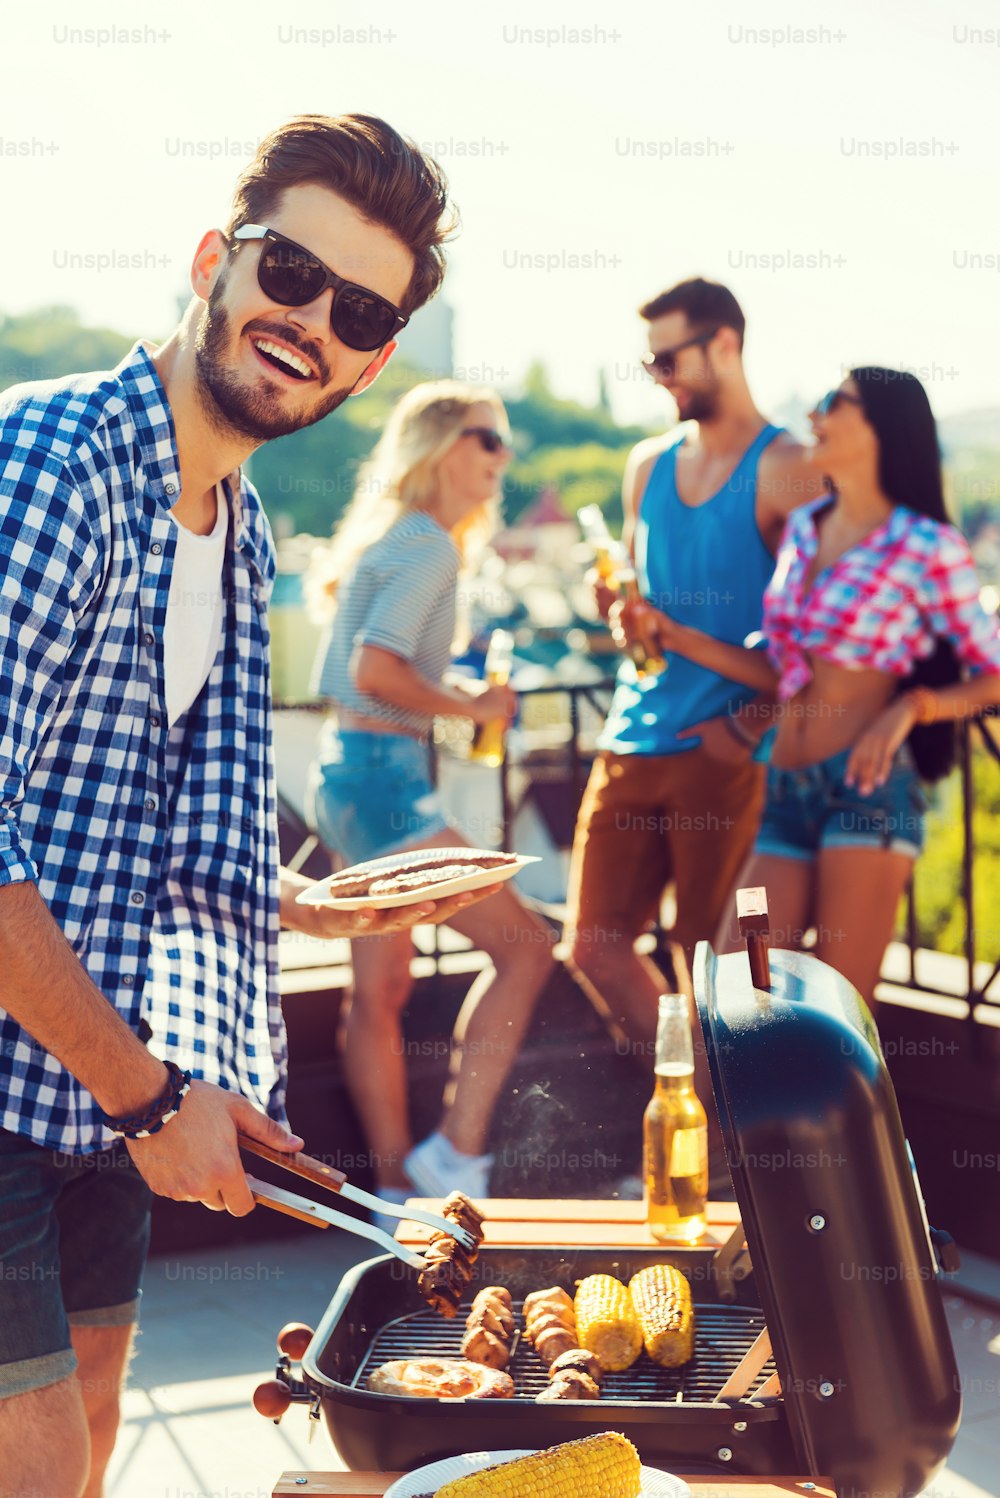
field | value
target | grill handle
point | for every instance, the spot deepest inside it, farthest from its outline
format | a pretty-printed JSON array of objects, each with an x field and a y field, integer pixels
[{"x": 755, "y": 928}]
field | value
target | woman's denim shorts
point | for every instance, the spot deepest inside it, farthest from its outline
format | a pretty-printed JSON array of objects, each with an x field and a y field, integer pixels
[
  {"x": 813, "y": 808},
  {"x": 371, "y": 793}
]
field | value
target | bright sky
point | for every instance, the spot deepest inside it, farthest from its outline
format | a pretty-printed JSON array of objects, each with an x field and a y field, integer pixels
[{"x": 625, "y": 145}]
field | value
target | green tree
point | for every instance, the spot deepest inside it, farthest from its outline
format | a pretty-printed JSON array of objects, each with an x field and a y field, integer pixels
[
  {"x": 973, "y": 487},
  {"x": 310, "y": 475},
  {"x": 938, "y": 882},
  {"x": 50, "y": 342},
  {"x": 590, "y": 474}
]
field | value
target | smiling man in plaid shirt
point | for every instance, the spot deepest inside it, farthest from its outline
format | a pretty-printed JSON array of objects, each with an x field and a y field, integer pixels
[{"x": 139, "y": 879}]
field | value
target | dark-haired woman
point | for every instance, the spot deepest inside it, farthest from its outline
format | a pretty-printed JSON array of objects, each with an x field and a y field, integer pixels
[{"x": 871, "y": 620}]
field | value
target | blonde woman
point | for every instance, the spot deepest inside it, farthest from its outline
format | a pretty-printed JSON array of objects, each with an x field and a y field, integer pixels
[{"x": 430, "y": 487}]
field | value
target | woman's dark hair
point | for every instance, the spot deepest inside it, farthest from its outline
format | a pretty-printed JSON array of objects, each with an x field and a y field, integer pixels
[{"x": 909, "y": 462}]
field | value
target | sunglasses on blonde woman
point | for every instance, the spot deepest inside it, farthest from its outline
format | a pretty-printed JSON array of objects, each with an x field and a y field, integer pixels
[{"x": 490, "y": 440}]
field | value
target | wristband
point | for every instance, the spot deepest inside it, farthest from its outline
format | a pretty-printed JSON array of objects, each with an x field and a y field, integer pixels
[
  {"x": 166, "y": 1106},
  {"x": 925, "y": 704}
]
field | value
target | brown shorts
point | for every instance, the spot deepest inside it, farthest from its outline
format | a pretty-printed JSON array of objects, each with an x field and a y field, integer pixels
[{"x": 649, "y": 820}]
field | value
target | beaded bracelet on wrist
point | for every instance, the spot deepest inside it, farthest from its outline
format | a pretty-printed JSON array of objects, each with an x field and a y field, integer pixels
[{"x": 160, "y": 1112}]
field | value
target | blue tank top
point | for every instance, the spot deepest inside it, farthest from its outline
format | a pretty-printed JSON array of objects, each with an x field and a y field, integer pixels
[{"x": 704, "y": 565}]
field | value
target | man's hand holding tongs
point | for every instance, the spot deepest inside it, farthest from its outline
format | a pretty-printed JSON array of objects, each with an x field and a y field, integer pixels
[{"x": 195, "y": 1156}]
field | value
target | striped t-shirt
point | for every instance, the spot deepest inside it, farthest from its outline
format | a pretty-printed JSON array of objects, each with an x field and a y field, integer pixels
[{"x": 400, "y": 596}]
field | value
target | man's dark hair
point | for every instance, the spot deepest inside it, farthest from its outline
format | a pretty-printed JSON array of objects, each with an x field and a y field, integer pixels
[
  {"x": 382, "y": 174},
  {"x": 705, "y": 304}
]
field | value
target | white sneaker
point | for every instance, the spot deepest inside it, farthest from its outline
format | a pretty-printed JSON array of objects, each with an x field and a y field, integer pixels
[{"x": 437, "y": 1168}]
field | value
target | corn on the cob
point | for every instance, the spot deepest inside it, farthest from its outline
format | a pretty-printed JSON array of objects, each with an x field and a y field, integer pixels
[
  {"x": 662, "y": 1300},
  {"x": 606, "y": 1322},
  {"x": 603, "y": 1466}
]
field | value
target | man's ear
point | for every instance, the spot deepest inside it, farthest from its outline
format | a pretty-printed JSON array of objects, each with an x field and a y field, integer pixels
[
  {"x": 206, "y": 266},
  {"x": 729, "y": 342},
  {"x": 375, "y": 368}
]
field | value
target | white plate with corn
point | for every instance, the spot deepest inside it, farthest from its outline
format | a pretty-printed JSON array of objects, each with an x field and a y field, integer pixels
[{"x": 606, "y": 1465}]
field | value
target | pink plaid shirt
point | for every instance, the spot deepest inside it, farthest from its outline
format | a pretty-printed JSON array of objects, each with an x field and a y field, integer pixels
[{"x": 881, "y": 605}]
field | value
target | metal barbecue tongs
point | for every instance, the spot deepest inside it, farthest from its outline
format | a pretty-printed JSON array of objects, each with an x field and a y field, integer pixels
[{"x": 307, "y": 1210}]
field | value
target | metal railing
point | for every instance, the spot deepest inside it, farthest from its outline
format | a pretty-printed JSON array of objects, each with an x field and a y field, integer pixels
[
  {"x": 576, "y": 764},
  {"x": 967, "y": 731}
]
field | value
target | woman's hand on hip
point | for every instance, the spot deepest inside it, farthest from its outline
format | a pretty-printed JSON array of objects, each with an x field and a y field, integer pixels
[{"x": 870, "y": 761}]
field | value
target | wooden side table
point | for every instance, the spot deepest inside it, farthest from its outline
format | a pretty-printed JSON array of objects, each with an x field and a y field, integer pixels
[{"x": 520, "y": 1222}]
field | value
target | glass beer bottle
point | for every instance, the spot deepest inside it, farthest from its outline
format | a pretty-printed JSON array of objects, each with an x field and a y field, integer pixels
[
  {"x": 645, "y": 664},
  {"x": 489, "y": 739},
  {"x": 603, "y": 544},
  {"x": 675, "y": 1133},
  {"x": 614, "y": 568}
]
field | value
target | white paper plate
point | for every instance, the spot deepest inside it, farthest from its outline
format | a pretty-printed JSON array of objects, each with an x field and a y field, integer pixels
[
  {"x": 318, "y": 894},
  {"x": 655, "y": 1484}
]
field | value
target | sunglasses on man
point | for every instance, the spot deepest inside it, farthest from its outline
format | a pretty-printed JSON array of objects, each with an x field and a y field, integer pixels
[
  {"x": 662, "y": 364},
  {"x": 834, "y": 399},
  {"x": 293, "y": 276}
]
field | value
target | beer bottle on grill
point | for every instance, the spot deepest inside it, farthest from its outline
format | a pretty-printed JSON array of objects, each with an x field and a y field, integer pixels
[
  {"x": 675, "y": 1133},
  {"x": 489, "y": 740}
]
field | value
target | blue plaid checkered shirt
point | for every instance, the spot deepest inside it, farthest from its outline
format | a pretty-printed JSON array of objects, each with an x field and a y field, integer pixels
[{"x": 155, "y": 848}]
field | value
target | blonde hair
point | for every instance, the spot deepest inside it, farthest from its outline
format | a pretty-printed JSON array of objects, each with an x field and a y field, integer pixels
[{"x": 401, "y": 476}]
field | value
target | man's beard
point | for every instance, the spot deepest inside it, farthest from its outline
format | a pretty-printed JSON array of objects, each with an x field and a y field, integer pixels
[
  {"x": 236, "y": 406},
  {"x": 701, "y": 405}
]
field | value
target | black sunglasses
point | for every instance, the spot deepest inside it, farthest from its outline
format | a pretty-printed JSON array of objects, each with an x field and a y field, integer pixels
[
  {"x": 293, "y": 276},
  {"x": 490, "y": 440},
  {"x": 834, "y": 398},
  {"x": 665, "y": 362}
]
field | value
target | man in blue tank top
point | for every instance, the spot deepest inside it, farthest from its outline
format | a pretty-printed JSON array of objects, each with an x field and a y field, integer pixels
[{"x": 674, "y": 796}]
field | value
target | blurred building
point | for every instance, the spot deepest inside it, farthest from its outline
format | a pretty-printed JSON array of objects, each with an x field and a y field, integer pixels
[
  {"x": 543, "y": 531},
  {"x": 428, "y": 338}
]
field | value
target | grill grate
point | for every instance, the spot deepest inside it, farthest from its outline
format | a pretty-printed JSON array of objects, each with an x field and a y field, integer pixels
[{"x": 723, "y": 1335}]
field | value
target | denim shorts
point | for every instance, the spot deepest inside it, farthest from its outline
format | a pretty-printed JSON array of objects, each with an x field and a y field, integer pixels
[
  {"x": 74, "y": 1230},
  {"x": 371, "y": 793},
  {"x": 812, "y": 808}
]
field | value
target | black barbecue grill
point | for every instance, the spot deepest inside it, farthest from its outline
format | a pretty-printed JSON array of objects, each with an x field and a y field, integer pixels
[{"x": 862, "y": 1386}]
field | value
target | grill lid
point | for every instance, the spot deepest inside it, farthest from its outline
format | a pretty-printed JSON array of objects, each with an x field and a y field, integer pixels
[{"x": 834, "y": 1221}]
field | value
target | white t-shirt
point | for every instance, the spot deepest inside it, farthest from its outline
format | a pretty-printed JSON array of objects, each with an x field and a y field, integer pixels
[{"x": 194, "y": 610}]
